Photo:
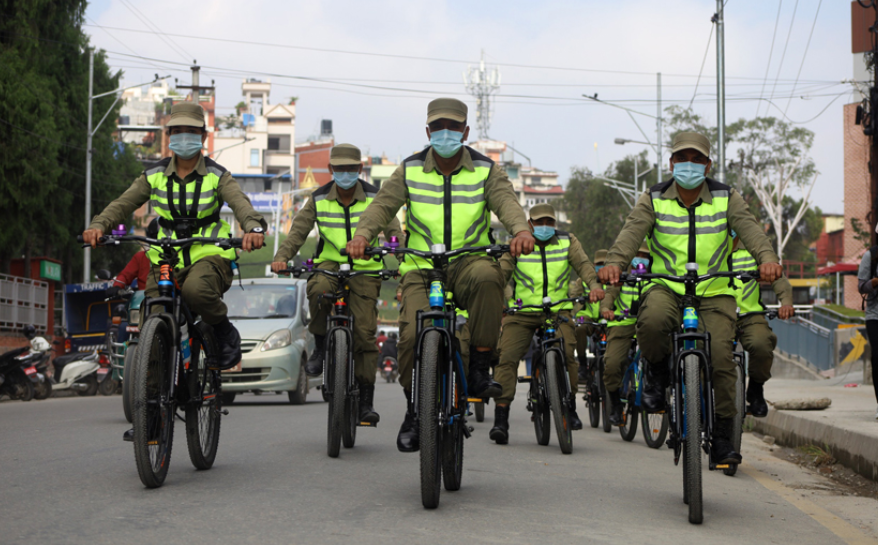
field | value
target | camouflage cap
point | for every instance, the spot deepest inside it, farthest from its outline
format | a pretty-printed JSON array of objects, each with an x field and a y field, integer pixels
[{"x": 186, "y": 114}]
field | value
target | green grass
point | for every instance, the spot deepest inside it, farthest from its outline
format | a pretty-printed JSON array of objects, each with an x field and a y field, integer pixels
[{"x": 842, "y": 310}]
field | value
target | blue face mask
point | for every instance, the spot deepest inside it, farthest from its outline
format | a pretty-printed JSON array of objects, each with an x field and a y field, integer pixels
[
  {"x": 185, "y": 145},
  {"x": 639, "y": 261},
  {"x": 345, "y": 180},
  {"x": 689, "y": 175},
  {"x": 543, "y": 232},
  {"x": 446, "y": 142},
  {"x": 598, "y": 268}
]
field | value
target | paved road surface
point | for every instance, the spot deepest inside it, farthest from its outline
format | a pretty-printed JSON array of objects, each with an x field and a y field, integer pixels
[{"x": 67, "y": 477}]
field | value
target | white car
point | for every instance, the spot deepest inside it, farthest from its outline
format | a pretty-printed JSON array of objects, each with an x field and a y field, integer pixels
[{"x": 272, "y": 317}]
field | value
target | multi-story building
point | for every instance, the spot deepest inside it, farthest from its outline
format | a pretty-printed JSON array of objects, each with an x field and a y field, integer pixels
[{"x": 137, "y": 116}]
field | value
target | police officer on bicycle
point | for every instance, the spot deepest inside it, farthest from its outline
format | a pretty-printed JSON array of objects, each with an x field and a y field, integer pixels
[
  {"x": 448, "y": 178},
  {"x": 336, "y": 209},
  {"x": 688, "y": 219}
]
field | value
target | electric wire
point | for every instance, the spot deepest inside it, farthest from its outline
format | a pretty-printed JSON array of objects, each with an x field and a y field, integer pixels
[
  {"x": 156, "y": 30},
  {"x": 805, "y": 54},
  {"x": 784, "y": 54},
  {"x": 703, "y": 61},
  {"x": 770, "y": 53}
]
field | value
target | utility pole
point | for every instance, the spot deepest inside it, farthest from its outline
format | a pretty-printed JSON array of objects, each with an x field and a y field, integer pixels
[
  {"x": 720, "y": 94},
  {"x": 867, "y": 116},
  {"x": 86, "y": 265},
  {"x": 482, "y": 83},
  {"x": 658, "y": 129},
  {"x": 196, "y": 87}
]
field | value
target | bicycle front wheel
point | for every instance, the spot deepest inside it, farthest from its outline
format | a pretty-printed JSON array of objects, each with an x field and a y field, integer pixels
[
  {"x": 540, "y": 406},
  {"x": 203, "y": 412},
  {"x": 429, "y": 400},
  {"x": 692, "y": 443},
  {"x": 153, "y": 408},
  {"x": 337, "y": 367},
  {"x": 557, "y": 394},
  {"x": 628, "y": 429},
  {"x": 738, "y": 421}
]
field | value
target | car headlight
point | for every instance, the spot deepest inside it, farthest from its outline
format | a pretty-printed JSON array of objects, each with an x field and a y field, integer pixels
[{"x": 278, "y": 339}]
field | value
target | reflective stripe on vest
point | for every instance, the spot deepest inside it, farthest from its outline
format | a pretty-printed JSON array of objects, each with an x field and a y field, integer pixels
[
  {"x": 337, "y": 225},
  {"x": 624, "y": 301},
  {"x": 544, "y": 273},
  {"x": 432, "y": 201},
  {"x": 197, "y": 199},
  {"x": 698, "y": 234},
  {"x": 750, "y": 295}
]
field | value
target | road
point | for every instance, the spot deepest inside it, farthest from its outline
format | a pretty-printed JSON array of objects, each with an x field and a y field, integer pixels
[{"x": 67, "y": 477}]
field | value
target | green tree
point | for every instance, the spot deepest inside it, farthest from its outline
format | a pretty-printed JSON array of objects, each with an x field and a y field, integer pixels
[{"x": 596, "y": 212}]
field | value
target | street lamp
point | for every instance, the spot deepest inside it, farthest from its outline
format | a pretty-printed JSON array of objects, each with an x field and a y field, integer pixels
[{"x": 622, "y": 142}]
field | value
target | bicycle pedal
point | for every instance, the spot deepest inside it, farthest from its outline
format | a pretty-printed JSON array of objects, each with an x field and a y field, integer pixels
[
  {"x": 475, "y": 400},
  {"x": 522, "y": 380},
  {"x": 224, "y": 412},
  {"x": 367, "y": 425},
  {"x": 468, "y": 431}
]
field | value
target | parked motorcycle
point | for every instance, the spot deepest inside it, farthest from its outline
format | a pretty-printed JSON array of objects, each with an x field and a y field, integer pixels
[
  {"x": 389, "y": 369},
  {"x": 14, "y": 382},
  {"x": 78, "y": 371},
  {"x": 36, "y": 362}
]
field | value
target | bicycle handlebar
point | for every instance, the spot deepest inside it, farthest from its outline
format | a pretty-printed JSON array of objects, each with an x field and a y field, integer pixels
[
  {"x": 494, "y": 250},
  {"x": 547, "y": 307},
  {"x": 112, "y": 240},
  {"x": 384, "y": 274},
  {"x": 771, "y": 313},
  {"x": 745, "y": 276}
]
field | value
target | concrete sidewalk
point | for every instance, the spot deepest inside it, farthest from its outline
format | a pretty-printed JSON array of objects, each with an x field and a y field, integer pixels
[{"x": 848, "y": 429}]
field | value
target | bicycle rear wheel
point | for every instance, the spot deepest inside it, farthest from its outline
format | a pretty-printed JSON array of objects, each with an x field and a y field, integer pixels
[
  {"x": 738, "y": 421},
  {"x": 655, "y": 428},
  {"x": 557, "y": 393},
  {"x": 628, "y": 429},
  {"x": 428, "y": 419},
  {"x": 692, "y": 443},
  {"x": 153, "y": 408},
  {"x": 337, "y": 367},
  {"x": 539, "y": 405},
  {"x": 592, "y": 399},
  {"x": 128, "y": 381},
  {"x": 480, "y": 412},
  {"x": 605, "y": 410},
  {"x": 203, "y": 416}
]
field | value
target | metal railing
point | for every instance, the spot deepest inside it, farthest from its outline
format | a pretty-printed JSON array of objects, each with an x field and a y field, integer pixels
[{"x": 809, "y": 341}]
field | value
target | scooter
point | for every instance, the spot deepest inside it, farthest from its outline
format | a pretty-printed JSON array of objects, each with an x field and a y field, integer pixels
[
  {"x": 389, "y": 369},
  {"x": 14, "y": 382},
  {"x": 77, "y": 371}
]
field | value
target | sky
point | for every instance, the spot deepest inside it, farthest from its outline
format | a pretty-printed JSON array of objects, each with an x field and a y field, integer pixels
[{"x": 379, "y": 63}]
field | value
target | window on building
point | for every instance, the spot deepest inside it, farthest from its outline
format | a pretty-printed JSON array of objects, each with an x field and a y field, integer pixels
[
  {"x": 536, "y": 180},
  {"x": 273, "y": 143},
  {"x": 254, "y": 157},
  {"x": 512, "y": 172}
]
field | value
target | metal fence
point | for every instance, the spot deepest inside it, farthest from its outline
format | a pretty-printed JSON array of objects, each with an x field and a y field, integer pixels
[
  {"x": 811, "y": 342},
  {"x": 23, "y": 301}
]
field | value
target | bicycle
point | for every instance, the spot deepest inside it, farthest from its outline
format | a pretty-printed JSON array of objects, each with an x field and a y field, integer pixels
[
  {"x": 440, "y": 401},
  {"x": 174, "y": 366},
  {"x": 549, "y": 382},
  {"x": 741, "y": 387},
  {"x": 338, "y": 374},
  {"x": 595, "y": 396},
  {"x": 692, "y": 410}
]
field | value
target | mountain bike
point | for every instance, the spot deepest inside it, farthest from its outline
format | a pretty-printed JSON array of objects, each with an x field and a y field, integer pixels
[
  {"x": 174, "y": 367},
  {"x": 549, "y": 382},
  {"x": 595, "y": 396},
  {"x": 692, "y": 396},
  {"x": 440, "y": 401},
  {"x": 630, "y": 393},
  {"x": 339, "y": 383},
  {"x": 741, "y": 387}
]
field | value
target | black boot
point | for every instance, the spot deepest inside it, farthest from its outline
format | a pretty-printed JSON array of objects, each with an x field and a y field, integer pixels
[
  {"x": 229, "y": 341},
  {"x": 575, "y": 422},
  {"x": 721, "y": 449},
  {"x": 500, "y": 431},
  {"x": 480, "y": 383},
  {"x": 615, "y": 400},
  {"x": 653, "y": 398},
  {"x": 314, "y": 366},
  {"x": 409, "y": 437},
  {"x": 756, "y": 404},
  {"x": 583, "y": 370},
  {"x": 128, "y": 436},
  {"x": 367, "y": 413}
]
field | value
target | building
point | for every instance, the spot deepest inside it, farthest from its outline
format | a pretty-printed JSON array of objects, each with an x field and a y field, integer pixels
[
  {"x": 138, "y": 115},
  {"x": 829, "y": 248}
]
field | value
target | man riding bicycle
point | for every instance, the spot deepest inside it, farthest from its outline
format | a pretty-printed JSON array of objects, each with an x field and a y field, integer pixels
[
  {"x": 618, "y": 308},
  {"x": 448, "y": 178},
  {"x": 336, "y": 208},
  {"x": 187, "y": 191},
  {"x": 590, "y": 312},
  {"x": 688, "y": 219},
  {"x": 536, "y": 277},
  {"x": 755, "y": 335}
]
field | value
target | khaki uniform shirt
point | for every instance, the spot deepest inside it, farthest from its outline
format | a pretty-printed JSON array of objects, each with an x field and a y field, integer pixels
[
  {"x": 499, "y": 197},
  {"x": 641, "y": 220},
  {"x": 576, "y": 257},
  {"x": 228, "y": 191},
  {"x": 305, "y": 219}
]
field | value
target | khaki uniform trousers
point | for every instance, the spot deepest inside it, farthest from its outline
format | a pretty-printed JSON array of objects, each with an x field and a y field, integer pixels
[
  {"x": 362, "y": 304},
  {"x": 616, "y": 358},
  {"x": 202, "y": 285},
  {"x": 463, "y": 337},
  {"x": 759, "y": 341},
  {"x": 518, "y": 330},
  {"x": 660, "y": 315},
  {"x": 477, "y": 284}
]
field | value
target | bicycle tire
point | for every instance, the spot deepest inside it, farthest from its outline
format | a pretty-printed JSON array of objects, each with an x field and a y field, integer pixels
[
  {"x": 540, "y": 407},
  {"x": 153, "y": 409},
  {"x": 351, "y": 419},
  {"x": 480, "y": 412},
  {"x": 203, "y": 412},
  {"x": 593, "y": 398},
  {"x": 128, "y": 381},
  {"x": 655, "y": 428},
  {"x": 428, "y": 419},
  {"x": 605, "y": 410},
  {"x": 557, "y": 396},
  {"x": 628, "y": 429},
  {"x": 692, "y": 445},
  {"x": 738, "y": 421},
  {"x": 337, "y": 367},
  {"x": 452, "y": 455}
]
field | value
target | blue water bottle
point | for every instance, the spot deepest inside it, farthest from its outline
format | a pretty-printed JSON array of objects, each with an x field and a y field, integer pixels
[
  {"x": 690, "y": 319},
  {"x": 437, "y": 297}
]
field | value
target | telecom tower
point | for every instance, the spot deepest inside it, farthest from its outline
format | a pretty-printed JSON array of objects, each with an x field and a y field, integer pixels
[{"x": 482, "y": 83}]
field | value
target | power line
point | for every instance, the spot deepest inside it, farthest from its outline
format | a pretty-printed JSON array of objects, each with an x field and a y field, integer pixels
[
  {"x": 118, "y": 40},
  {"x": 789, "y": 33},
  {"x": 706, "y": 49},
  {"x": 805, "y": 55},
  {"x": 770, "y": 53},
  {"x": 156, "y": 30}
]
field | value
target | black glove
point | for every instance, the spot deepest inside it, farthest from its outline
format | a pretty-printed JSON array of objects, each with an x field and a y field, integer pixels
[{"x": 113, "y": 291}]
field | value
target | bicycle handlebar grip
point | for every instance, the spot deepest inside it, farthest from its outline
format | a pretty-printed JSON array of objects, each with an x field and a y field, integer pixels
[
  {"x": 236, "y": 242},
  {"x": 343, "y": 251},
  {"x": 79, "y": 238}
]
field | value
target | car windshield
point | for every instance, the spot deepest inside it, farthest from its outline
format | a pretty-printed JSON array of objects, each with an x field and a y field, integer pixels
[{"x": 259, "y": 301}]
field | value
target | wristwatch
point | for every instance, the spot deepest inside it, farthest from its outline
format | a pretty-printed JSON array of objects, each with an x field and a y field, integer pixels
[{"x": 258, "y": 230}]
